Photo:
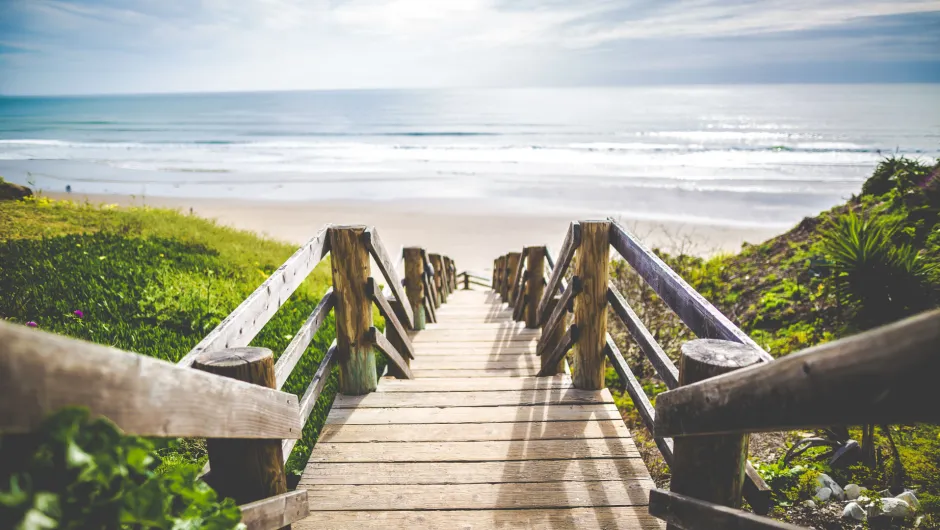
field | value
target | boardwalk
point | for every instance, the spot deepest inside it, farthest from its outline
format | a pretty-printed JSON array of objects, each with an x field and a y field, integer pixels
[{"x": 476, "y": 440}]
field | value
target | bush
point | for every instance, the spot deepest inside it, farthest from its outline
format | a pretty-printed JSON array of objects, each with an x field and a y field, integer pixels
[{"x": 76, "y": 473}]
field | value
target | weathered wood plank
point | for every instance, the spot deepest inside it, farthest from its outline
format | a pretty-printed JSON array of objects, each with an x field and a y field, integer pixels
[
  {"x": 474, "y": 385},
  {"x": 469, "y": 372},
  {"x": 241, "y": 326},
  {"x": 298, "y": 345},
  {"x": 275, "y": 512},
  {"x": 664, "y": 366},
  {"x": 558, "y": 396},
  {"x": 328, "y": 497},
  {"x": 698, "y": 313},
  {"x": 565, "y": 254},
  {"x": 559, "y": 310},
  {"x": 469, "y": 349},
  {"x": 611, "y": 518},
  {"x": 555, "y": 356},
  {"x": 474, "y": 451},
  {"x": 391, "y": 319},
  {"x": 872, "y": 377},
  {"x": 692, "y": 514},
  {"x": 478, "y": 363},
  {"x": 590, "y": 307},
  {"x": 383, "y": 345},
  {"x": 476, "y": 432},
  {"x": 41, "y": 372},
  {"x": 374, "y": 243},
  {"x": 309, "y": 399},
  {"x": 351, "y": 268},
  {"x": 473, "y": 414},
  {"x": 473, "y": 472}
]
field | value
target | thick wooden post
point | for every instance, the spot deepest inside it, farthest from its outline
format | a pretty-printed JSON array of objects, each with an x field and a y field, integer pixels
[
  {"x": 466, "y": 281},
  {"x": 552, "y": 338},
  {"x": 353, "y": 310},
  {"x": 246, "y": 470},
  {"x": 414, "y": 286},
  {"x": 711, "y": 468},
  {"x": 512, "y": 261},
  {"x": 535, "y": 265},
  {"x": 500, "y": 274},
  {"x": 439, "y": 276},
  {"x": 590, "y": 306}
]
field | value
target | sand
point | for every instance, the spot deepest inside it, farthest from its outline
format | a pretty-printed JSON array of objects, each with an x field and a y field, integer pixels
[{"x": 466, "y": 230}]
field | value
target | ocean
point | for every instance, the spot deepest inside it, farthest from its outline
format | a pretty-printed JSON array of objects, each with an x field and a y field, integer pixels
[{"x": 761, "y": 156}]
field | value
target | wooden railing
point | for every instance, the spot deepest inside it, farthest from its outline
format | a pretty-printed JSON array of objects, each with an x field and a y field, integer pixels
[
  {"x": 710, "y": 472},
  {"x": 232, "y": 397}
]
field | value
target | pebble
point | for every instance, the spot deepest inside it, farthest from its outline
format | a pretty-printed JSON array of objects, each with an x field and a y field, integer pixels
[{"x": 809, "y": 504}]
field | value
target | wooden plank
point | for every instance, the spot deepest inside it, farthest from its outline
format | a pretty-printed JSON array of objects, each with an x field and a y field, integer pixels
[
  {"x": 590, "y": 307},
  {"x": 698, "y": 313},
  {"x": 559, "y": 310},
  {"x": 558, "y": 396},
  {"x": 309, "y": 399},
  {"x": 473, "y": 414},
  {"x": 565, "y": 254},
  {"x": 275, "y": 512},
  {"x": 383, "y": 345},
  {"x": 530, "y": 335},
  {"x": 328, "y": 497},
  {"x": 298, "y": 345},
  {"x": 473, "y": 385},
  {"x": 474, "y": 349},
  {"x": 516, "y": 274},
  {"x": 470, "y": 432},
  {"x": 241, "y": 326},
  {"x": 473, "y": 472},
  {"x": 391, "y": 319},
  {"x": 471, "y": 325},
  {"x": 555, "y": 356},
  {"x": 664, "y": 366},
  {"x": 353, "y": 313},
  {"x": 872, "y": 377},
  {"x": 474, "y": 451},
  {"x": 41, "y": 372},
  {"x": 374, "y": 243},
  {"x": 469, "y": 372},
  {"x": 693, "y": 514},
  {"x": 479, "y": 363},
  {"x": 611, "y": 518}
]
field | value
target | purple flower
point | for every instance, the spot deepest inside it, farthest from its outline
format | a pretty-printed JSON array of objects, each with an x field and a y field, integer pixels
[
  {"x": 32, "y": 324},
  {"x": 78, "y": 313}
]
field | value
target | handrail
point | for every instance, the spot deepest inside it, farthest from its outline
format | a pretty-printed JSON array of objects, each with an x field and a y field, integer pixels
[
  {"x": 665, "y": 368},
  {"x": 565, "y": 254},
  {"x": 309, "y": 399},
  {"x": 377, "y": 249},
  {"x": 379, "y": 341},
  {"x": 291, "y": 356},
  {"x": 275, "y": 512},
  {"x": 565, "y": 344},
  {"x": 241, "y": 326},
  {"x": 563, "y": 306},
  {"x": 872, "y": 377},
  {"x": 692, "y": 308},
  {"x": 550, "y": 266},
  {"x": 517, "y": 277},
  {"x": 688, "y": 513},
  {"x": 388, "y": 314}
]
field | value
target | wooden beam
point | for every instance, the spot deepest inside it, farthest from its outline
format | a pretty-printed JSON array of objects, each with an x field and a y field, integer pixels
[
  {"x": 517, "y": 276},
  {"x": 275, "y": 512},
  {"x": 309, "y": 399},
  {"x": 438, "y": 278},
  {"x": 244, "y": 323},
  {"x": 661, "y": 362},
  {"x": 389, "y": 315},
  {"x": 559, "y": 311},
  {"x": 429, "y": 273},
  {"x": 556, "y": 355},
  {"x": 872, "y": 377},
  {"x": 684, "y": 512},
  {"x": 379, "y": 341},
  {"x": 414, "y": 285},
  {"x": 353, "y": 310},
  {"x": 513, "y": 274},
  {"x": 565, "y": 254},
  {"x": 41, "y": 372},
  {"x": 692, "y": 308},
  {"x": 385, "y": 264},
  {"x": 535, "y": 265},
  {"x": 518, "y": 311},
  {"x": 298, "y": 345},
  {"x": 550, "y": 339},
  {"x": 590, "y": 307}
]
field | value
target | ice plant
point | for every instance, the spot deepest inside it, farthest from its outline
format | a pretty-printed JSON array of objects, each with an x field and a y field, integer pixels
[{"x": 32, "y": 324}]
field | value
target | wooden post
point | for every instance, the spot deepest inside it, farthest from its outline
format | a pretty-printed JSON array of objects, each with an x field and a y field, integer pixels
[
  {"x": 590, "y": 306},
  {"x": 512, "y": 261},
  {"x": 500, "y": 274},
  {"x": 711, "y": 468},
  {"x": 414, "y": 288},
  {"x": 351, "y": 270},
  {"x": 535, "y": 265},
  {"x": 466, "y": 281},
  {"x": 438, "y": 265},
  {"x": 552, "y": 338},
  {"x": 245, "y": 470},
  {"x": 495, "y": 268}
]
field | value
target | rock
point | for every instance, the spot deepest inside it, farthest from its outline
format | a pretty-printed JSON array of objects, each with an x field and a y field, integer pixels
[
  {"x": 891, "y": 507},
  {"x": 825, "y": 481},
  {"x": 852, "y": 491},
  {"x": 809, "y": 504},
  {"x": 863, "y": 500},
  {"x": 853, "y": 511},
  {"x": 909, "y": 498},
  {"x": 823, "y": 494},
  {"x": 12, "y": 192}
]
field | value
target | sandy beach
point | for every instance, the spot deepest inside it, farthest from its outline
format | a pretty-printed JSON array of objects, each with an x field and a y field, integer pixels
[{"x": 467, "y": 230}]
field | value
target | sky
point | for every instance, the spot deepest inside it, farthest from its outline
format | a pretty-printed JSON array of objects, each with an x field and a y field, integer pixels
[{"x": 149, "y": 46}]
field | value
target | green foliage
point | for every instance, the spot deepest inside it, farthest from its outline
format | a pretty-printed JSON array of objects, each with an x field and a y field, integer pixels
[
  {"x": 897, "y": 173},
  {"x": 791, "y": 483},
  {"x": 76, "y": 473},
  {"x": 882, "y": 281}
]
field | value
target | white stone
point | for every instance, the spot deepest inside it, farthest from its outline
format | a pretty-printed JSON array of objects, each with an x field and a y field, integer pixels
[
  {"x": 825, "y": 481},
  {"x": 809, "y": 504},
  {"x": 823, "y": 494},
  {"x": 853, "y": 511},
  {"x": 891, "y": 507},
  {"x": 863, "y": 500},
  {"x": 910, "y": 498},
  {"x": 852, "y": 491}
]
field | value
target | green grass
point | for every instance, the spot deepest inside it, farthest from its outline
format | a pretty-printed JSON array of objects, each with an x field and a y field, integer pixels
[{"x": 151, "y": 281}]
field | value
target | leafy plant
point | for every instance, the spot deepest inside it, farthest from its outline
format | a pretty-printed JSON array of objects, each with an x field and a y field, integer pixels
[{"x": 75, "y": 473}]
